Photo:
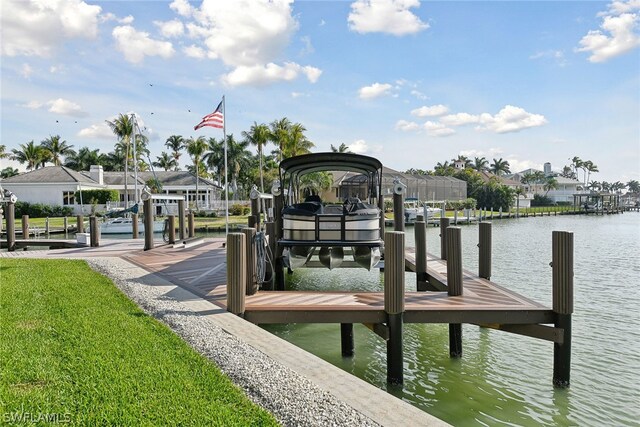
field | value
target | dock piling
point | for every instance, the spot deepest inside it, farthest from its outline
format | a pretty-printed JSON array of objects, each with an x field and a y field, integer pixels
[
  {"x": 25, "y": 227},
  {"x": 47, "y": 230},
  {"x": 94, "y": 232},
  {"x": 398, "y": 211},
  {"x": 79, "y": 224},
  {"x": 444, "y": 225},
  {"x": 251, "y": 257},
  {"x": 134, "y": 223},
  {"x": 181, "y": 220},
  {"x": 66, "y": 226},
  {"x": 255, "y": 209},
  {"x": 394, "y": 302},
  {"x": 454, "y": 284},
  {"x": 420, "y": 232},
  {"x": 236, "y": 273},
  {"x": 346, "y": 339},
  {"x": 562, "y": 285},
  {"x": 192, "y": 224},
  {"x": 148, "y": 224},
  {"x": 484, "y": 253},
  {"x": 10, "y": 219},
  {"x": 172, "y": 229}
]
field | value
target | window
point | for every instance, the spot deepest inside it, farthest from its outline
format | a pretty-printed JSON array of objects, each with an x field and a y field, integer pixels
[{"x": 68, "y": 198}]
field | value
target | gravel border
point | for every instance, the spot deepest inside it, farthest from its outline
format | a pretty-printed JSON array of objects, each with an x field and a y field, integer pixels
[{"x": 291, "y": 398}]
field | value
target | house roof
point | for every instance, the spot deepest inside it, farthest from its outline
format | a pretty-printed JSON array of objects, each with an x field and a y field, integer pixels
[
  {"x": 171, "y": 178},
  {"x": 50, "y": 174},
  {"x": 486, "y": 176}
]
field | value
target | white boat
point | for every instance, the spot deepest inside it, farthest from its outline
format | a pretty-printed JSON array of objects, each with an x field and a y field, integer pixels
[
  {"x": 125, "y": 226},
  {"x": 330, "y": 227},
  {"x": 413, "y": 207}
]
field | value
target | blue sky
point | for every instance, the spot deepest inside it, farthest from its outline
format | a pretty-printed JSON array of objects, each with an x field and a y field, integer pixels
[{"x": 410, "y": 83}]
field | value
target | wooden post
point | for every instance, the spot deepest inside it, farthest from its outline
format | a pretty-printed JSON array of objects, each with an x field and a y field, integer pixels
[
  {"x": 454, "y": 284},
  {"x": 562, "y": 285},
  {"x": 394, "y": 302},
  {"x": 47, "y": 230},
  {"x": 148, "y": 224},
  {"x": 250, "y": 246},
  {"x": 455, "y": 217},
  {"x": 255, "y": 211},
  {"x": 444, "y": 225},
  {"x": 134, "y": 223},
  {"x": 346, "y": 339},
  {"x": 66, "y": 226},
  {"x": 491, "y": 212},
  {"x": 10, "y": 219},
  {"x": 500, "y": 211},
  {"x": 94, "y": 232},
  {"x": 398, "y": 212},
  {"x": 181, "y": 219},
  {"x": 420, "y": 230},
  {"x": 25, "y": 227},
  {"x": 484, "y": 245},
  {"x": 236, "y": 273},
  {"x": 172, "y": 229},
  {"x": 79, "y": 224},
  {"x": 192, "y": 225}
]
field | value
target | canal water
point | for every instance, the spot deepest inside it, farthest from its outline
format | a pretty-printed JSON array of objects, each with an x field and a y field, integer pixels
[{"x": 505, "y": 379}]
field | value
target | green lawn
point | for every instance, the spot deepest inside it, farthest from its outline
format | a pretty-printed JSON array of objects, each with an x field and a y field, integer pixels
[{"x": 72, "y": 346}]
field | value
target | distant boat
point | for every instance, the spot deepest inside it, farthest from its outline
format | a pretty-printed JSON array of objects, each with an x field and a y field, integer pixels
[
  {"x": 413, "y": 207},
  {"x": 125, "y": 226}
]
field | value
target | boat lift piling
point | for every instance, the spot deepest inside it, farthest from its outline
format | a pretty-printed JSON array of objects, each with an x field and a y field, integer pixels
[
  {"x": 25, "y": 227},
  {"x": 484, "y": 250},
  {"x": 94, "y": 232},
  {"x": 134, "y": 226},
  {"x": 562, "y": 284},
  {"x": 454, "y": 284},
  {"x": 172, "y": 229},
  {"x": 192, "y": 224},
  {"x": 420, "y": 230},
  {"x": 181, "y": 221},
  {"x": 444, "y": 224},
  {"x": 148, "y": 224}
]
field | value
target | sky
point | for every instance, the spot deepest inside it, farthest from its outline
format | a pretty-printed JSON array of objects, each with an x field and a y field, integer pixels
[{"x": 410, "y": 83}]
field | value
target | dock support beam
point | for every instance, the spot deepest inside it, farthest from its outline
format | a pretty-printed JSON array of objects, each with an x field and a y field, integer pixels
[
  {"x": 394, "y": 302},
  {"x": 250, "y": 246},
  {"x": 10, "y": 218},
  {"x": 94, "y": 232},
  {"x": 562, "y": 280},
  {"x": 454, "y": 284},
  {"x": 148, "y": 224},
  {"x": 236, "y": 273},
  {"x": 346, "y": 339},
  {"x": 181, "y": 219},
  {"x": 420, "y": 231},
  {"x": 134, "y": 223},
  {"x": 484, "y": 246},
  {"x": 172, "y": 229},
  {"x": 25, "y": 227},
  {"x": 444, "y": 225},
  {"x": 192, "y": 224}
]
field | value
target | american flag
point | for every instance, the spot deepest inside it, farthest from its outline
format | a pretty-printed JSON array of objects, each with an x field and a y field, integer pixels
[{"x": 214, "y": 120}]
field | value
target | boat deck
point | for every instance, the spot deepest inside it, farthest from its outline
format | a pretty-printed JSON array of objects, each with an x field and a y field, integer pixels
[{"x": 202, "y": 270}]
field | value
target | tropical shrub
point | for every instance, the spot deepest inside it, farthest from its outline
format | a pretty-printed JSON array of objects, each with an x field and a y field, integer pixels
[
  {"x": 39, "y": 210},
  {"x": 100, "y": 197},
  {"x": 540, "y": 200}
]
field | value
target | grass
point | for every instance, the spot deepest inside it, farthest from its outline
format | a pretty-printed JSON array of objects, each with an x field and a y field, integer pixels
[{"x": 72, "y": 346}]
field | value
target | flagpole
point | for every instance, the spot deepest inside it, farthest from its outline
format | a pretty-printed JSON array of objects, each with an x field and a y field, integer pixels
[{"x": 226, "y": 180}]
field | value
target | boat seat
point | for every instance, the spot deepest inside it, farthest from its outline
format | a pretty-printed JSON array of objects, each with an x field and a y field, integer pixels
[
  {"x": 305, "y": 209},
  {"x": 313, "y": 198},
  {"x": 354, "y": 206}
]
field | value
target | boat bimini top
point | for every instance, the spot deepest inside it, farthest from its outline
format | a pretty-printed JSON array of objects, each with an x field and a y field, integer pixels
[{"x": 353, "y": 223}]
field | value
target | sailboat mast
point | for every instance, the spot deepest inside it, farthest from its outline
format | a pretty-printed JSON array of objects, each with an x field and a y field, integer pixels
[{"x": 135, "y": 158}]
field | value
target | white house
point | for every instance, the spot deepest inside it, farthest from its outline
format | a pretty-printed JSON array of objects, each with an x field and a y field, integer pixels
[{"x": 56, "y": 185}]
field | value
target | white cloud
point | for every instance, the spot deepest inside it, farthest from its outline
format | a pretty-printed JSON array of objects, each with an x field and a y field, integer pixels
[
  {"x": 65, "y": 108},
  {"x": 299, "y": 94},
  {"x": 407, "y": 126},
  {"x": 419, "y": 94},
  {"x": 33, "y": 105},
  {"x": 361, "y": 147},
  {"x": 308, "y": 47},
  {"x": 127, "y": 20},
  {"x": 374, "y": 91},
  {"x": 100, "y": 131},
  {"x": 555, "y": 55},
  {"x": 510, "y": 119},
  {"x": 437, "y": 129},
  {"x": 182, "y": 7},
  {"x": 618, "y": 33},
  {"x": 434, "y": 110},
  {"x": 173, "y": 28},
  {"x": 260, "y": 75},
  {"x": 26, "y": 71},
  {"x": 385, "y": 16},
  {"x": 135, "y": 45},
  {"x": 194, "y": 51},
  {"x": 37, "y": 28},
  {"x": 459, "y": 119}
]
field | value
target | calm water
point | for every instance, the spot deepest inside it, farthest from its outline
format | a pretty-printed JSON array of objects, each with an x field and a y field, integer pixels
[{"x": 505, "y": 379}]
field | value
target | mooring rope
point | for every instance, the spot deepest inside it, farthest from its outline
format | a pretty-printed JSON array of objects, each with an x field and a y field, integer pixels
[{"x": 263, "y": 255}]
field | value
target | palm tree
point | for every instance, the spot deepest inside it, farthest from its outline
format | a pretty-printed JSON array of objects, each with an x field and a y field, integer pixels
[
  {"x": 343, "y": 148},
  {"x": 594, "y": 185},
  {"x": 258, "y": 136},
  {"x": 165, "y": 161},
  {"x": 518, "y": 192},
  {"x": 589, "y": 168},
  {"x": 498, "y": 167},
  {"x": 237, "y": 158},
  {"x": 297, "y": 143},
  {"x": 175, "y": 143},
  {"x": 8, "y": 172},
  {"x": 480, "y": 164},
  {"x": 29, "y": 153},
  {"x": 84, "y": 158},
  {"x": 122, "y": 127},
  {"x": 3, "y": 152},
  {"x": 576, "y": 163},
  {"x": 633, "y": 186},
  {"x": 279, "y": 133},
  {"x": 56, "y": 148},
  {"x": 550, "y": 184},
  {"x": 214, "y": 158},
  {"x": 443, "y": 169},
  {"x": 196, "y": 149},
  {"x": 617, "y": 186}
]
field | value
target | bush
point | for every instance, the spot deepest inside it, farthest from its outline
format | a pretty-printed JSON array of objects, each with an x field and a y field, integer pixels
[
  {"x": 236, "y": 209},
  {"x": 100, "y": 197},
  {"x": 469, "y": 203},
  {"x": 39, "y": 210},
  {"x": 540, "y": 200}
]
